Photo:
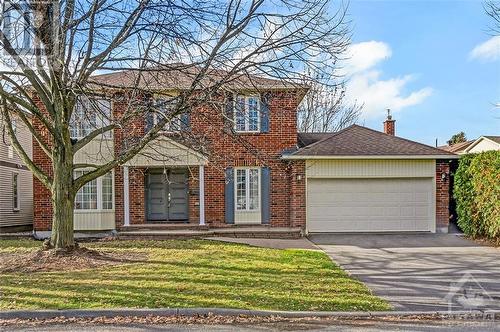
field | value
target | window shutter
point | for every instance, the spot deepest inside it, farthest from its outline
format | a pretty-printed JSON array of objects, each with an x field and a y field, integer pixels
[
  {"x": 149, "y": 121},
  {"x": 185, "y": 118},
  {"x": 264, "y": 113},
  {"x": 229, "y": 196},
  {"x": 265, "y": 195},
  {"x": 229, "y": 113}
]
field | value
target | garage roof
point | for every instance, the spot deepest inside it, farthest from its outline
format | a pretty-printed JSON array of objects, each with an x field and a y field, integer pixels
[{"x": 361, "y": 142}]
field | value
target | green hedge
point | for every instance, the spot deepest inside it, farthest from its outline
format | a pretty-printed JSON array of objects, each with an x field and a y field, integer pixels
[{"x": 477, "y": 194}]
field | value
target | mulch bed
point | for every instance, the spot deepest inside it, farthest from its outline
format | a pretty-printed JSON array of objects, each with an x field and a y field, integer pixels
[{"x": 78, "y": 259}]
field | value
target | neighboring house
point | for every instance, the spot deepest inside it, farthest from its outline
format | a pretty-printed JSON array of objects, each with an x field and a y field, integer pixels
[
  {"x": 483, "y": 143},
  {"x": 16, "y": 182},
  {"x": 355, "y": 180}
]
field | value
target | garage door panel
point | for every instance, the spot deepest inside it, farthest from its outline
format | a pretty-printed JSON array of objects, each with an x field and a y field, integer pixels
[{"x": 371, "y": 205}]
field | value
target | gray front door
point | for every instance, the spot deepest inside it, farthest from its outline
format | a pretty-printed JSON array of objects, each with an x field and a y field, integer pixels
[{"x": 167, "y": 195}]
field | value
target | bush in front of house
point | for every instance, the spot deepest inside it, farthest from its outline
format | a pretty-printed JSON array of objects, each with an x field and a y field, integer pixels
[{"x": 477, "y": 194}]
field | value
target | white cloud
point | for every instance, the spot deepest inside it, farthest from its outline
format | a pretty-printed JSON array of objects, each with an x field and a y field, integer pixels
[
  {"x": 487, "y": 51},
  {"x": 366, "y": 86},
  {"x": 365, "y": 55}
]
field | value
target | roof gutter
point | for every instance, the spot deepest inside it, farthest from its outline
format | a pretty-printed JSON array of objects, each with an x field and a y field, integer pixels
[{"x": 412, "y": 157}]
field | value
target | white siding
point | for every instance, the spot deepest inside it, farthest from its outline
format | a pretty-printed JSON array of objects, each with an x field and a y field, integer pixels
[
  {"x": 94, "y": 220},
  {"x": 484, "y": 145},
  {"x": 98, "y": 151},
  {"x": 369, "y": 168},
  {"x": 9, "y": 217},
  {"x": 164, "y": 151}
]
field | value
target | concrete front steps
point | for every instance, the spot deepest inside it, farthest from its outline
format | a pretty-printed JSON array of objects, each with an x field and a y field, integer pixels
[{"x": 192, "y": 231}]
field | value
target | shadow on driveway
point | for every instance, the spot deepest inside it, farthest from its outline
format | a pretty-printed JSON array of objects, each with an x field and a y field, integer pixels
[{"x": 425, "y": 272}]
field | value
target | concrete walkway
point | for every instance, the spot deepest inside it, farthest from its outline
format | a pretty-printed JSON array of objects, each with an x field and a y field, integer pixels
[
  {"x": 424, "y": 272},
  {"x": 301, "y": 243}
]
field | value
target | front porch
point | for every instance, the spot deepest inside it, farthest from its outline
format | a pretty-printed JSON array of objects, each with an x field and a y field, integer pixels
[{"x": 163, "y": 185}]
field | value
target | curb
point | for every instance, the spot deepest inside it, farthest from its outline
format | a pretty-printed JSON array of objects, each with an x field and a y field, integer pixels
[{"x": 192, "y": 312}]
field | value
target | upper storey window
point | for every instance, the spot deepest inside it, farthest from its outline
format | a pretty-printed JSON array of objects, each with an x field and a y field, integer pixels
[
  {"x": 90, "y": 114},
  {"x": 247, "y": 113}
]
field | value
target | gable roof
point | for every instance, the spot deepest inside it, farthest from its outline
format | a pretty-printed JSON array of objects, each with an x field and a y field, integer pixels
[
  {"x": 494, "y": 139},
  {"x": 357, "y": 141},
  {"x": 181, "y": 76}
]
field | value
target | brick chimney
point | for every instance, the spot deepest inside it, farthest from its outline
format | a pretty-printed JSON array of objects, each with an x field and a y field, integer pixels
[{"x": 389, "y": 124}]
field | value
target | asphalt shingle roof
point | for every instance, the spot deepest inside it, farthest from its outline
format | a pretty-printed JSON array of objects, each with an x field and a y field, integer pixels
[
  {"x": 361, "y": 141},
  {"x": 181, "y": 77}
]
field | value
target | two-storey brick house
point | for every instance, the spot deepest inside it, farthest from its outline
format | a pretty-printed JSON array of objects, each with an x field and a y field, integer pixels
[
  {"x": 259, "y": 170},
  {"x": 242, "y": 180}
]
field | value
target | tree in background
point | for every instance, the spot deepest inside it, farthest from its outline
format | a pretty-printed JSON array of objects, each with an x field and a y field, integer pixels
[
  {"x": 325, "y": 109},
  {"x": 457, "y": 138},
  {"x": 51, "y": 51},
  {"x": 492, "y": 9}
]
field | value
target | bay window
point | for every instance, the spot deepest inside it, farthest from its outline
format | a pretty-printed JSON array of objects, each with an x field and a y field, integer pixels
[
  {"x": 96, "y": 194},
  {"x": 247, "y": 189}
]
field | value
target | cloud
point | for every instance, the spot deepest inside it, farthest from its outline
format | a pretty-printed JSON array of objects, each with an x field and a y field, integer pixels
[
  {"x": 487, "y": 51},
  {"x": 366, "y": 87},
  {"x": 365, "y": 55}
]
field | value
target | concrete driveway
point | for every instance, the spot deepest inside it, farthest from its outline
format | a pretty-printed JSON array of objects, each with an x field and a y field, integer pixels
[{"x": 424, "y": 272}]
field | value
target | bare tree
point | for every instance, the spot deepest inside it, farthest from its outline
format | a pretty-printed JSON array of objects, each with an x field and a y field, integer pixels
[
  {"x": 492, "y": 9},
  {"x": 325, "y": 109},
  {"x": 53, "y": 50}
]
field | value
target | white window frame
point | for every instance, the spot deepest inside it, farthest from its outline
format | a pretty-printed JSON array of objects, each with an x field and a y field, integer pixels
[
  {"x": 246, "y": 112},
  {"x": 16, "y": 205},
  {"x": 101, "y": 120},
  {"x": 99, "y": 194},
  {"x": 247, "y": 189}
]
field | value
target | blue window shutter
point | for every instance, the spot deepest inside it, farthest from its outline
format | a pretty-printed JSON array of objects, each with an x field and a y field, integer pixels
[
  {"x": 264, "y": 113},
  {"x": 229, "y": 113},
  {"x": 265, "y": 196},
  {"x": 229, "y": 196},
  {"x": 185, "y": 118},
  {"x": 149, "y": 121}
]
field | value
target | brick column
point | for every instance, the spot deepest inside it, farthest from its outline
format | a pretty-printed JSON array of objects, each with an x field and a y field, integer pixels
[
  {"x": 442, "y": 196},
  {"x": 298, "y": 194}
]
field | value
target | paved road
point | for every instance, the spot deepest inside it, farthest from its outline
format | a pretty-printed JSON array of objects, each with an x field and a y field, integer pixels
[
  {"x": 416, "y": 272},
  {"x": 366, "y": 326}
]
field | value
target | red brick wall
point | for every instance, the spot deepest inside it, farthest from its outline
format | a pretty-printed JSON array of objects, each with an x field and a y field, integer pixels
[
  {"x": 226, "y": 150},
  {"x": 298, "y": 194},
  {"x": 262, "y": 149},
  {"x": 442, "y": 195}
]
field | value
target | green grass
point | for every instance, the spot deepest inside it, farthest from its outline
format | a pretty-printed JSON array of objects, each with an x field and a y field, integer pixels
[{"x": 191, "y": 273}]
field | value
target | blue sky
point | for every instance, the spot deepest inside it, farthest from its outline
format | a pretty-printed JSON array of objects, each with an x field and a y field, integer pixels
[{"x": 416, "y": 57}]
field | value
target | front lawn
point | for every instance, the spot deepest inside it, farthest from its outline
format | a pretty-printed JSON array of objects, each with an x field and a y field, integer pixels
[{"x": 192, "y": 273}]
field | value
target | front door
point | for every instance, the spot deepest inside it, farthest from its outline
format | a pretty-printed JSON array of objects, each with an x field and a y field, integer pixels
[{"x": 167, "y": 195}]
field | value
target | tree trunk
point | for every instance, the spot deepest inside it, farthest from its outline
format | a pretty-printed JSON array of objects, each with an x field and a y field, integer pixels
[{"x": 63, "y": 200}]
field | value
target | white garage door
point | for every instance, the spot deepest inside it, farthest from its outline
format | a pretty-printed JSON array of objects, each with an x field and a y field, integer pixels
[{"x": 370, "y": 205}]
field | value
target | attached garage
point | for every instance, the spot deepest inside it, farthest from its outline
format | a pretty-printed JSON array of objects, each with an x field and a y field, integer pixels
[
  {"x": 370, "y": 196},
  {"x": 361, "y": 180},
  {"x": 370, "y": 205}
]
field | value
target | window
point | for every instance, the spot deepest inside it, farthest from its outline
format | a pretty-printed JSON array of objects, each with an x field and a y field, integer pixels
[
  {"x": 247, "y": 187},
  {"x": 89, "y": 115},
  {"x": 96, "y": 194},
  {"x": 16, "y": 200},
  {"x": 17, "y": 18},
  {"x": 163, "y": 108},
  {"x": 247, "y": 113}
]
